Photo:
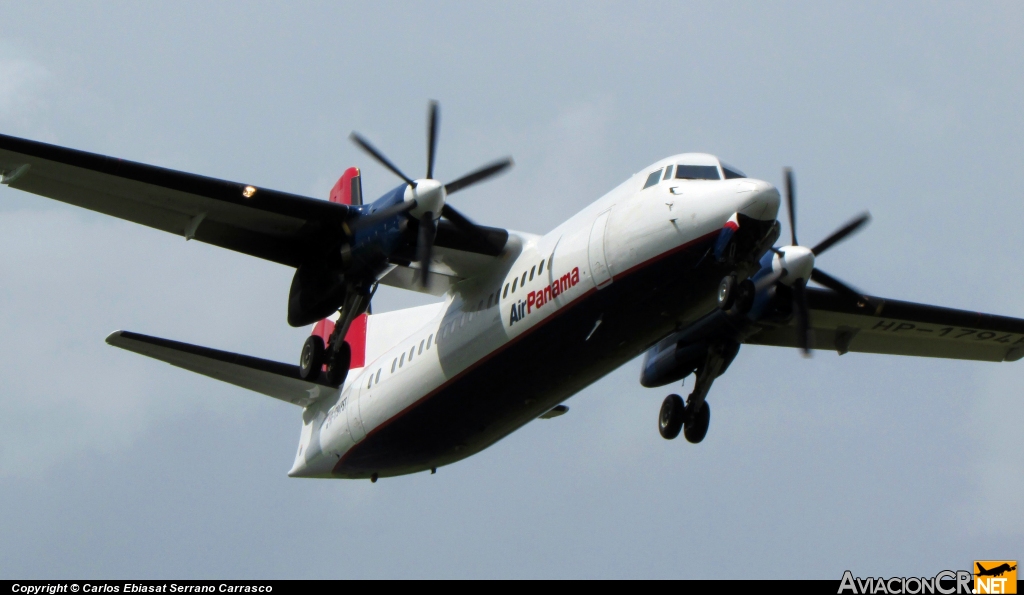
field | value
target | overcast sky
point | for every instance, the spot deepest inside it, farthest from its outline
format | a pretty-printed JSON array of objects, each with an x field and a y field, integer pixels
[{"x": 114, "y": 465}]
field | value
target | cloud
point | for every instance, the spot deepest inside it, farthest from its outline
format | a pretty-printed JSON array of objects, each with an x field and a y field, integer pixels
[{"x": 23, "y": 90}]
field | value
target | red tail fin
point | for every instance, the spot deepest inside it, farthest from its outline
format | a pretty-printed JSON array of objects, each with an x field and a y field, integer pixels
[
  {"x": 355, "y": 337},
  {"x": 349, "y": 188}
]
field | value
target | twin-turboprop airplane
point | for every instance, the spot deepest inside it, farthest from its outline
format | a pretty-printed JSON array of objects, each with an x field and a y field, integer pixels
[{"x": 679, "y": 261}]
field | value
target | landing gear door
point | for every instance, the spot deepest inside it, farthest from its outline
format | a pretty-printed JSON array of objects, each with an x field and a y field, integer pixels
[
  {"x": 598, "y": 261},
  {"x": 355, "y": 422}
]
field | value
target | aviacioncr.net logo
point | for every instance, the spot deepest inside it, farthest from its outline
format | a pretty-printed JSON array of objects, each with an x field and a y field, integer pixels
[{"x": 946, "y": 582}]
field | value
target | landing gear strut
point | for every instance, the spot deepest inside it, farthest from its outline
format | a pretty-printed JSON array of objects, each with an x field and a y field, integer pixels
[{"x": 694, "y": 416}]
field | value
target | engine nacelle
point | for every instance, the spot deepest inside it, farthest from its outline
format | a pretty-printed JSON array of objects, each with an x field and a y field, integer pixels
[
  {"x": 316, "y": 293},
  {"x": 671, "y": 364}
]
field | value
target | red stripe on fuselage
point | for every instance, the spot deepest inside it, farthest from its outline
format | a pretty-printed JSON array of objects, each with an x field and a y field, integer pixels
[{"x": 515, "y": 340}]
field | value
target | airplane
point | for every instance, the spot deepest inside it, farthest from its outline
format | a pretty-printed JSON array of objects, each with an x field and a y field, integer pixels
[
  {"x": 678, "y": 263},
  {"x": 997, "y": 571}
]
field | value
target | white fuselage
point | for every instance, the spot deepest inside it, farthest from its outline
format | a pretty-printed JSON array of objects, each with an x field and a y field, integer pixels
[{"x": 534, "y": 279}]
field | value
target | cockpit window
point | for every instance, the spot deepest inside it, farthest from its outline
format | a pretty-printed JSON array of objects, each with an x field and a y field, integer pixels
[
  {"x": 653, "y": 179},
  {"x": 697, "y": 172},
  {"x": 668, "y": 173},
  {"x": 731, "y": 172}
]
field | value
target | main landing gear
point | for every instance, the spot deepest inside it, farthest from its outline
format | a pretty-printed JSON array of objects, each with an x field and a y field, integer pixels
[{"x": 693, "y": 416}]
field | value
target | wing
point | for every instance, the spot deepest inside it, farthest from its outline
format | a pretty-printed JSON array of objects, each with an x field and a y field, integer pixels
[
  {"x": 272, "y": 225},
  {"x": 456, "y": 257},
  {"x": 274, "y": 379},
  {"x": 900, "y": 328}
]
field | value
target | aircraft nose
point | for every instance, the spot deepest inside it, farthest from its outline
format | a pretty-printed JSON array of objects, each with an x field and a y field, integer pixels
[{"x": 760, "y": 199}]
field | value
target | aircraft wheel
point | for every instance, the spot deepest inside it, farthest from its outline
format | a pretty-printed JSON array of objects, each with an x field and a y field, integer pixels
[
  {"x": 745, "y": 294},
  {"x": 695, "y": 429},
  {"x": 337, "y": 368},
  {"x": 312, "y": 358},
  {"x": 670, "y": 420},
  {"x": 727, "y": 292}
]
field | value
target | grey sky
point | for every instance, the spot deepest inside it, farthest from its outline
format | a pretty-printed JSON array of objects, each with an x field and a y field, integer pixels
[{"x": 114, "y": 465}]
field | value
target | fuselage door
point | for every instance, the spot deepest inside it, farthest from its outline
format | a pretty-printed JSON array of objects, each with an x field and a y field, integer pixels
[
  {"x": 355, "y": 422},
  {"x": 598, "y": 262}
]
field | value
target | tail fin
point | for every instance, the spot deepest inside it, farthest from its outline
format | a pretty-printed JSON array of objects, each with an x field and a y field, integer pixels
[
  {"x": 355, "y": 337},
  {"x": 349, "y": 188}
]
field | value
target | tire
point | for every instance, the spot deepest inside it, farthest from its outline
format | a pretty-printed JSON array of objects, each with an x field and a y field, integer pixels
[
  {"x": 697, "y": 428},
  {"x": 337, "y": 368},
  {"x": 726, "y": 292},
  {"x": 312, "y": 358},
  {"x": 670, "y": 420},
  {"x": 745, "y": 294}
]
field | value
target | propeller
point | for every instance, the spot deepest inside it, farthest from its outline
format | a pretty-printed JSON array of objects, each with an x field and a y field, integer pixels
[
  {"x": 795, "y": 265},
  {"x": 425, "y": 200}
]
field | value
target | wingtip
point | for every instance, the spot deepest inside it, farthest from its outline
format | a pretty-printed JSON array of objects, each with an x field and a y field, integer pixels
[{"x": 113, "y": 337}]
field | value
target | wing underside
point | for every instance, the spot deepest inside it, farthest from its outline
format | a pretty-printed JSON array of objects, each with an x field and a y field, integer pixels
[
  {"x": 900, "y": 328},
  {"x": 285, "y": 228}
]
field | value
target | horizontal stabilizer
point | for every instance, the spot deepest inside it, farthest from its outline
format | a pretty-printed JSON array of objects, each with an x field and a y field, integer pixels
[{"x": 274, "y": 379}]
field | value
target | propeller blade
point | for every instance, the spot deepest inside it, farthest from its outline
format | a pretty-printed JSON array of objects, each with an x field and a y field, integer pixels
[
  {"x": 478, "y": 176},
  {"x": 803, "y": 321},
  {"x": 425, "y": 246},
  {"x": 841, "y": 233},
  {"x": 383, "y": 214},
  {"x": 822, "y": 278},
  {"x": 465, "y": 225},
  {"x": 431, "y": 139},
  {"x": 791, "y": 204},
  {"x": 366, "y": 146}
]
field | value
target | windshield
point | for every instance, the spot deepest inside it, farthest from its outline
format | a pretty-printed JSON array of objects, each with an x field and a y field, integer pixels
[
  {"x": 732, "y": 173},
  {"x": 697, "y": 172}
]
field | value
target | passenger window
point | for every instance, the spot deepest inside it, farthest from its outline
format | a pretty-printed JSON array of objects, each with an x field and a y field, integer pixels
[
  {"x": 463, "y": 322},
  {"x": 531, "y": 272},
  {"x": 505, "y": 295},
  {"x": 394, "y": 365},
  {"x": 420, "y": 352},
  {"x": 653, "y": 179},
  {"x": 514, "y": 282},
  {"x": 551, "y": 261},
  {"x": 523, "y": 282},
  {"x": 377, "y": 378},
  {"x": 490, "y": 300},
  {"x": 412, "y": 352},
  {"x": 668, "y": 173},
  {"x": 401, "y": 362},
  {"x": 480, "y": 306},
  {"x": 369, "y": 382},
  {"x": 429, "y": 339},
  {"x": 540, "y": 271}
]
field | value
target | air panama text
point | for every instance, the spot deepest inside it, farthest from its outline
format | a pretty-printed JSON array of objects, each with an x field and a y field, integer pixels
[{"x": 537, "y": 299}]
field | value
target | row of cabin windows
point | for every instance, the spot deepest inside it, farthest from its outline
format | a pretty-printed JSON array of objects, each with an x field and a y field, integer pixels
[
  {"x": 448, "y": 329},
  {"x": 693, "y": 172},
  {"x": 399, "y": 362},
  {"x": 536, "y": 269}
]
